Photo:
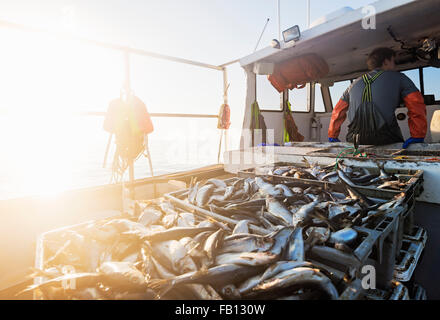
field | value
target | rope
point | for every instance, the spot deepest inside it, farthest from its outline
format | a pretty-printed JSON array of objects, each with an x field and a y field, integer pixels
[
  {"x": 344, "y": 152},
  {"x": 286, "y": 133}
]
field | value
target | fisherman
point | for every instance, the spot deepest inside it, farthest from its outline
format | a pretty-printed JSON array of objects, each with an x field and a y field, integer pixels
[{"x": 371, "y": 101}]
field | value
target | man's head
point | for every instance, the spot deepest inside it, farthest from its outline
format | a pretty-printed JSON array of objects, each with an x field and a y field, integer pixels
[{"x": 381, "y": 58}]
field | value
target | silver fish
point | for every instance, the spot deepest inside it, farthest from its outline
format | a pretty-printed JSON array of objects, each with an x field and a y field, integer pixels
[
  {"x": 149, "y": 216},
  {"x": 298, "y": 278},
  {"x": 246, "y": 258},
  {"x": 218, "y": 275},
  {"x": 241, "y": 227},
  {"x": 297, "y": 190},
  {"x": 267, "y": 188},
  {"x": 286, "y": 191},
  {"x": 303, "y": 214},
  {"x": 213, "y": 243},
  {"x": 346, "y": 236},
  {"x": 270, "y": 272},
  {"x": 217, "y": 182},
  {"x": 279, "y": 210},
  {"x": 248, "y": 243},
  {"x": 203, "y": 195},
  {"x": 317, "y": 235},
  {"x": 295, "y": 250},
  {"x": 186, "y": 219}
]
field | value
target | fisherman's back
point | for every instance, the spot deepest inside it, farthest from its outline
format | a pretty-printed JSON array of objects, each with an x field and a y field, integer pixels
[{"x": 370, "y": 103}]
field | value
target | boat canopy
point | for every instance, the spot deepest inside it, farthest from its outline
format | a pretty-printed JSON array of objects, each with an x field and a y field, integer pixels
[{"x": 344, "y": 44}]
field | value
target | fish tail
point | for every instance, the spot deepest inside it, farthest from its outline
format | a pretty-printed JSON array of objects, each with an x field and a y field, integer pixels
[
  {"x": 35, "y": 272},
  {"x": 29, "y": 288},
  {"x": 160, "y": 287}
]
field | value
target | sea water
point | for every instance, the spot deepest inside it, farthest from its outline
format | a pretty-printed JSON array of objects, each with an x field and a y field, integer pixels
[{"x": 47, "y": 155}]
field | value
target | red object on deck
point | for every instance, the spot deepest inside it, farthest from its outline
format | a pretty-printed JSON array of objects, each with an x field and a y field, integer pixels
[{"x": 298, "y": 71}]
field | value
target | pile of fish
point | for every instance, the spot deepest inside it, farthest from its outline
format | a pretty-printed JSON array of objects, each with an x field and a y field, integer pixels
[
  {"x": 169, "y": 251},
  {"x": 353, "y": 176}
]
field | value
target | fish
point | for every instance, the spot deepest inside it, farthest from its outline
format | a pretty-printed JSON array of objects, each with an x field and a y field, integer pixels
[
  {"x": 383, "y": 175},
  {"x": 247, "y": 243},
  {"x": 186, "y": 219},
  {"x": 217, "y": 183},
  {"x": 203, "y": 195},
  {"x": 123, "y": 275},
  {"x": 298, "y": 278},
  {"x": 267, "y": 188},
  {"x": 193, "y": 247},
  {"x": 286, "y": 191},
  {"x": 213, "y": 243},
  {"x": 303, "y": 214},
  {"x": 172, "y": 253},
  {"x": 215, "y": 276},
  {"x": 295, "y": 250},
  {"x": 317, "y": 235},
  {"x": 230, "y": 292},
  {"x": 281, "y": 238},
  {"x": 345, "y": 236},
  {"x": 344, "y": 178},
  {"x": 329, "y": 175},
  {"x": 82, "y": 280},
  {"x": 193, "y": 190},
  {"x": 297, "y": 190},
  {"x": 241, "y": 227},
  {"x": 396, "y": 185},
  {"x": 175, "y": 233},
  {"x": 246, "y": 258},
  {"x": 170, "y": 219},
  {"x": 274, "y": 269},
  {"x": 149, "y": 216},
  {"x": 279, "y": 210}
]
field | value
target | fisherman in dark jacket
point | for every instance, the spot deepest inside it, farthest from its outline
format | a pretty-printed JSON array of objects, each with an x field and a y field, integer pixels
[{"x": 371, "y": 101}]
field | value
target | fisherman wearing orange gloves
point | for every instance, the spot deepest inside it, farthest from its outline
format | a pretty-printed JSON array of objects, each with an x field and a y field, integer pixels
[{"x": 371, "y": 101}]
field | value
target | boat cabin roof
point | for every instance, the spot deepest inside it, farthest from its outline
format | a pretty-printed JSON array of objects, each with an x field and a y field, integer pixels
[{"x": 345, "y": 44}]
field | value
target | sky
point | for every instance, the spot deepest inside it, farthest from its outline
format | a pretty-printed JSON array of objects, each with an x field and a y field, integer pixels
[
  {"x": 60, "y": 76},
  {"x": 208, "y": 30}
]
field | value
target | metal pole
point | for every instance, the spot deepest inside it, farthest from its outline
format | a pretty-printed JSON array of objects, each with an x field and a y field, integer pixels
[
  {"x": 128, "y": 98},
  {"x": 279, "y": 21},
  {"x": 308, "y": 13},
  {"x": 107, "y": 149},
  {"x": 225, "y": 101}
]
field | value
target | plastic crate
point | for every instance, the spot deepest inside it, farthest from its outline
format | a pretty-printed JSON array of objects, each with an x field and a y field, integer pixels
[
  {"x": 376, "y": 245},
  {"x": 41, "y": 251},
  {"x": 409, "y": 257},
  {"x": 398, "y": 291},
  {"x": 415, "y": 177}
]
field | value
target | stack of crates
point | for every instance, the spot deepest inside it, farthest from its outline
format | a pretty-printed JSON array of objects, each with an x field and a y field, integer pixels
[{"x": 392, "y": 245}]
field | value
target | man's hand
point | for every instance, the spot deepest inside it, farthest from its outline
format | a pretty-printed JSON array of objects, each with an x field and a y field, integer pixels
[
  {"x": 333, "y": 140},
  {"x": 412, "y": 140}
]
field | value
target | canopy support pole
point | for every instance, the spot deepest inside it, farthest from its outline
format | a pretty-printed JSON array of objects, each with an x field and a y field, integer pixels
[{"x": 223, "y": 132}]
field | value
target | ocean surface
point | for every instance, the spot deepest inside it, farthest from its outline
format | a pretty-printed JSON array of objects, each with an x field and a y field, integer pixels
[{"x": 48, "y": 155}]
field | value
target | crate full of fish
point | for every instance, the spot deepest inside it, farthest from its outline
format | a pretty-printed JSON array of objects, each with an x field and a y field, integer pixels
[
  {"x": 166, "y": 252},
  {"x": 341, "y": 228},
  {"x": 372, "y": 182}
]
